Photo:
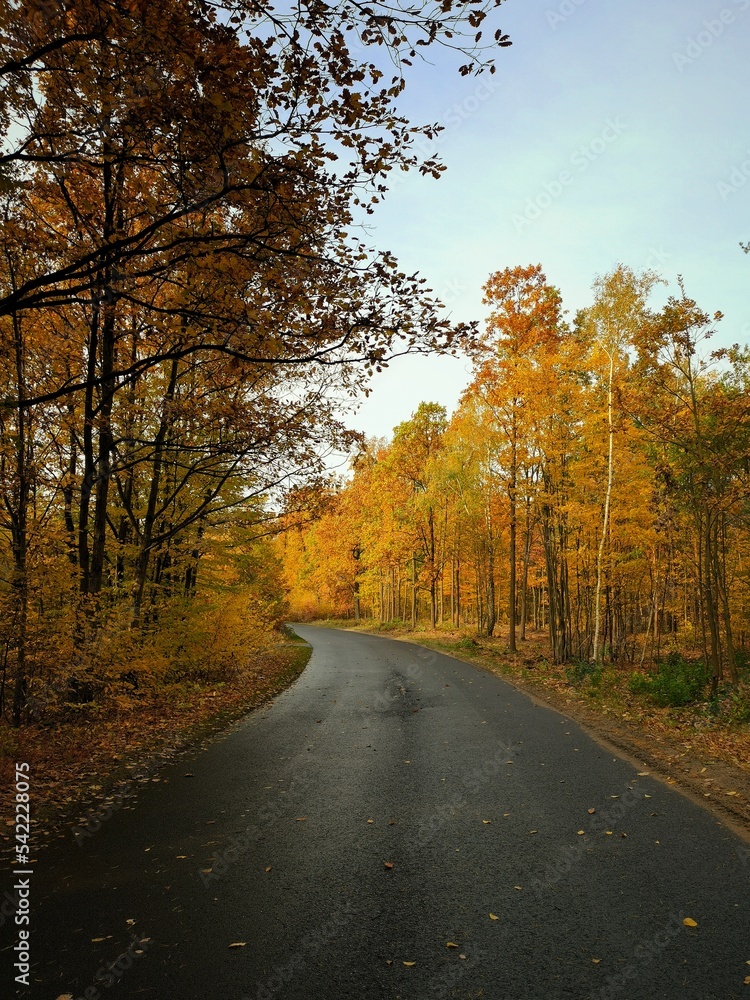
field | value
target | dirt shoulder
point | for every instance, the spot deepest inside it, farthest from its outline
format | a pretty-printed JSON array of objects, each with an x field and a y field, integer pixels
[
  {"x": 706, "y": 759},
  {"x": 82, "y": 770}
]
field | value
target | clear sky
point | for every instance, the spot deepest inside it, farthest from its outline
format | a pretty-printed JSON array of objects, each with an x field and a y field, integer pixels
[{"x": 611, "y": 132}]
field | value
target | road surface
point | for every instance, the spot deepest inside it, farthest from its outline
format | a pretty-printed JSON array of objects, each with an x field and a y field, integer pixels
[{"x": 398, "y": 824}]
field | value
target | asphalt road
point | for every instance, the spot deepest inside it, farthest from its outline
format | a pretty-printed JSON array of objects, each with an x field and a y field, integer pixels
[{"x": 389, "y": 803}]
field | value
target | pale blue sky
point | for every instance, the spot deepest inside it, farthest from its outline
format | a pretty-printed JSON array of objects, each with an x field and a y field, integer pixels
[{"x": 611, "y": 132}]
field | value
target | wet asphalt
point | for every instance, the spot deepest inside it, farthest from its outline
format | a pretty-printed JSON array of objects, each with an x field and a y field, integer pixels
[{"x": 397, "y": 824}]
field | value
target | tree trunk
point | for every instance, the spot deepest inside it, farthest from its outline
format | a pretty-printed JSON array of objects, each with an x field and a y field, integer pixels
[
  {"x": 19, "y": 532},
  {"x": 605, "y": 518}
]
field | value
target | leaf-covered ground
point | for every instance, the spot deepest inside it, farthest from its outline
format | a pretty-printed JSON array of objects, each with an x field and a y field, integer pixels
[{"x": 86, "y": 767}]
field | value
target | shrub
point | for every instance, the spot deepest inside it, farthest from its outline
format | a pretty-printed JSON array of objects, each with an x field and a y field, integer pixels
[
  {"x": 676, "y": 682},
  {"x": 580, "y": 671}
]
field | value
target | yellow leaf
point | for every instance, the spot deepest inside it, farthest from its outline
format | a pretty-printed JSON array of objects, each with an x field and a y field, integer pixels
[
  {"x": 181, "y": 857},
  {"x": 451, "y": 944},
  {"x": 746, "y": 980},
  {"x": 596, "y": 961},
  {"x": 268, "y": 868},
  {"x": 409, "y": 964},
  {"x": 519, "y": 887},
  {"x": 371, "y": 821},
  {"x": 486, "y": 820},
  {"x": 591, "y": 812},
  {"x": 238, "y": 944},
  {"x": 532, "y": 832},
  {"x": 301, "y": 819},
  {"x": 493, "y": 917},
  {"x": 581, "y": 833},
  {"x": 689, "y": 922},
  {"x": 462, "y": 956}
]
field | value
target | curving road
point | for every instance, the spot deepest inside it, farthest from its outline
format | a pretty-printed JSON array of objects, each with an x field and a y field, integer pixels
[{"x": 386, "y": 805}]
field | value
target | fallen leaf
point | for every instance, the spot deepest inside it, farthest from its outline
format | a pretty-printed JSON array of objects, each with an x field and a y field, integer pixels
[
  {"x": 533, "y": 831},
  {"x": 462, "y": 956},
  {"x": 409, "y": 964},
  {"x": 451, "y": 944},
  {"x": 301, "y": 819},
  {"x": 180, "y": 857},
  {"x": 581, "y": 833},
  {"x": 391, "y": 822},
  {"x": 238, "y": 944},
  {"x": 591, "y": 812},
  {"x": 97, "y": 940},
  {"x": 371, "y": 821},
  {"x": 493, "y": 917},
  {"x": 486, "y": 821},
  {"x": 608, "y": 832},
  {"x": 65, "y": 996},
  {"x": 267, "y": 869},
  {"x": 689, "y": 922},
  {"x": 746, "y": 982},
  {"x": 388, "y": 864},
  {"x": 643, "y": 774},
  {"x": 647, "y": 796},
  {"x": 596, "y": 961},
  {"x": 519, "y": 887},
  {"x": 389, "y": 961}
]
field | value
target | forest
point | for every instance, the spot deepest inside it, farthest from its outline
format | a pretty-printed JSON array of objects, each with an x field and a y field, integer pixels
[
  {"x": 593, "y": 483},
  {"x": 187, "y": 308}
]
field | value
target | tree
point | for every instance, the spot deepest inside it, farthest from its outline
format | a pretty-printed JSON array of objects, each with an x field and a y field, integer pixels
[
  {"x": 612, "y": 323},
  {"x": 417, "y": 443},
  {"x": 700, "y": 422},
  {"x": 524, "y": 324}
]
